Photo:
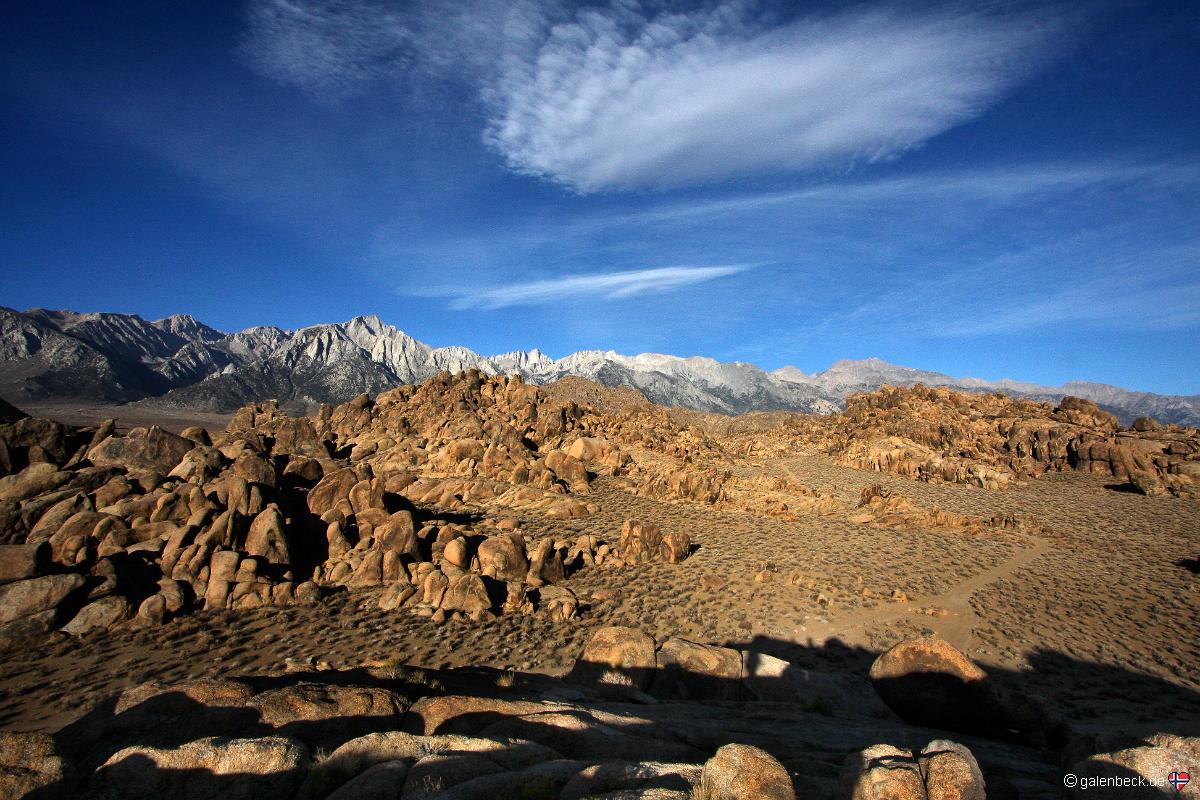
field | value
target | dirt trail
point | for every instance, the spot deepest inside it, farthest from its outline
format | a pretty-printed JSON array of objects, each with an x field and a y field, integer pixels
[{"x": 960, "y": 621}]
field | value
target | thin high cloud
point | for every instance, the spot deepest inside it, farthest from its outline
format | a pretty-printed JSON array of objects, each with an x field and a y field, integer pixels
[
  {"x": 329, "y": 48},
  {"x": 620, "y": 98},
  {"x": 610, "y": 286}
]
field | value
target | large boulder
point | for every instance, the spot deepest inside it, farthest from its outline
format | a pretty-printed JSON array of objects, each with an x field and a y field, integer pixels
[
  {"x": 930, "y": 682},
  {"x": 26, "y": 598},
  {"x": 207, "y": 769},
  {"x": 22, "y": 561},
  {"x": 643, "y": 542},
  {"x": 773, "y": 679},
  {"x": 1079, "y": 411},
  {"x": 98, "y": 616},
  {"x": 693, "y": 671},
  {"x": 742, "y": 772},
  {"x": 1108, "y": 776},
  {"x": 467, "y": 594},
  {"x": 32, "y": 481},
  {"x": 267, "y": 538},
  {"x": 150, "y": 450},
  {"x": 650, "y": 780},
  {"x": 322, "y": 715},
  {"x": 398, "y": 535},
  {"x": 32, "y": 766},
  {"x": 951, "y": 772},
  {"x": 331, "y": 491},
  {"x": 616, "y": 658},
  {"x": 432, "y": 775},
  {"x": 503, "y": 557},
  {"x": 882, "y": 771},
  {"x": 568, "y": 469}
]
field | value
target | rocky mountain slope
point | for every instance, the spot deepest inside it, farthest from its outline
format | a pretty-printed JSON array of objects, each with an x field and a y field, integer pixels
[{"x": 184, "y": 363}]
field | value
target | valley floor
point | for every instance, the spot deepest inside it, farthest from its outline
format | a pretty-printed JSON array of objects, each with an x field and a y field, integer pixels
[{"x": 1093, "y": 609}]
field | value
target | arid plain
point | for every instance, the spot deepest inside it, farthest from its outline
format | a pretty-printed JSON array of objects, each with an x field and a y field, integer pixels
[{"x": 1065, "y": 570}]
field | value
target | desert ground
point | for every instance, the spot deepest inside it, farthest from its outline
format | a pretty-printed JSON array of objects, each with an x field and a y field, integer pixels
[{"x": 1086, "y": 600}]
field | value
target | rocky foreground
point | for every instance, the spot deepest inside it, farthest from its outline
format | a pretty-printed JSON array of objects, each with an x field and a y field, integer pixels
[
  {"x": 634, "y": 718},
  {"x": 469, "y": 502}
]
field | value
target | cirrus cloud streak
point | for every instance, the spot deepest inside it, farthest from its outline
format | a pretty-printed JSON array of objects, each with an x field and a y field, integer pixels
[{"x": 609, "y": 285}]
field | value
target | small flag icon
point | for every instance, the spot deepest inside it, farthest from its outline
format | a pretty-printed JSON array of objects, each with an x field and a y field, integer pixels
[{"x": 1178, "y": 780}]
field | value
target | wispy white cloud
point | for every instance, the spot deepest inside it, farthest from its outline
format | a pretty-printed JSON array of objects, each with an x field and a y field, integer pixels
[
  {"x": 620, "y": 98},
  {"x": 609, "y": 285},
  {"x": 329, "y": 48},
  {"x": 1129, "y": 286}
]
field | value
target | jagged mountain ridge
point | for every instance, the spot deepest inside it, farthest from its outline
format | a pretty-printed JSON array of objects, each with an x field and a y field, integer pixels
[{"x": 182, "y": 362}]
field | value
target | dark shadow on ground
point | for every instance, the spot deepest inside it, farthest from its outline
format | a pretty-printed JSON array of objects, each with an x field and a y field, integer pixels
[{"x": 810, "y": 713}]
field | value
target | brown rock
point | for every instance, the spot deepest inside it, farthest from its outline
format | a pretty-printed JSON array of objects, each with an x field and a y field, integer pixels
[
  {"x": 558, "y": 602},
  {"x": 688, "y": 670},
  {"x": 383, "y": 780},
  {"x": 98, "y": 616},
  {"x": 153, "y": 611},
  {"x": 567, "y": 469},
  {"x": 929, "y": 682},
  {"x": 32, "y": 766},
  {"x": 398, "y": 535},
  {"x": 177, "y": 699},
  {"x": 319, "y": 713},
  {"x": 267, "y": 538},
  {"x": 616, "y": 657},
  {"x": 369, "y": 571},
  {"x": 55, "y": 516},
  {"x": 230, "y": 769},
  {"x": 224, "y": 565},
  {"x": 395, "y": 596},
  {"x": 882, "y": 771},
  {"x": 303, "y": 470},
  {"x": 154, "y": 450},
  {"x": 545, "y": 564},
  {"x": 951, "y": 772},
  {"x": 432, "y": 775},
  {"x": 308, "y": 592},
  {"x": 503, "y": 557},
  {"x": 254, "y": 468},
  {"x": 74, "y": 535},
  {"x": 36, "y": 595},
  {"x": 773, "y": 679},
  {"x": 332, "y": 490},
  {"x": 365, "y": 495},
  {"x": 589, "y": 449},
  {"x": 1150, "y": 763},
  {"x": 456, "y": 553},
  {"x": 743, "y": 772},
  {"x": 21, "y": 561},
  {"x": 468, "y": 594},
  {"x": 643, "y": 543},
  {"x": 31, "y": 481}
]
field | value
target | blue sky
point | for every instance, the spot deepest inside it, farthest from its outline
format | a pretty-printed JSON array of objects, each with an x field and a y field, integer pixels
[{"x": 1000, "y": 189}]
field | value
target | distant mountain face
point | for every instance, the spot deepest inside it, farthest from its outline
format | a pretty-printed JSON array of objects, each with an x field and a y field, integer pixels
[{"x": 182, "y": 362}]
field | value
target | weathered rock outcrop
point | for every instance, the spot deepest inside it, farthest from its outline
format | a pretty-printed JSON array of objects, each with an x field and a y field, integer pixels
[{"x": 937, "y": 434}]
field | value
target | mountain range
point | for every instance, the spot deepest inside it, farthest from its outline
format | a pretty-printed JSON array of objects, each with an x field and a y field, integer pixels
[{"x": 180, "y": 361}]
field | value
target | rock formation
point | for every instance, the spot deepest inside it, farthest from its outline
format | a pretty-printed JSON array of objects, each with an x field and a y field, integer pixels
[
  {"x": 104, "y": 529},
  {"x": 409, "y": 738},
  {"x": 992, "y": 440}
]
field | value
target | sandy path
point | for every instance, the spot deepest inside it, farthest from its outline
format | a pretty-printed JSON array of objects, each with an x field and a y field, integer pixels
[{"x": 959, "y": 623}]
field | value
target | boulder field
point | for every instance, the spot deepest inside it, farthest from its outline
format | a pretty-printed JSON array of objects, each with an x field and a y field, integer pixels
[{"x": 634, "y": 718}]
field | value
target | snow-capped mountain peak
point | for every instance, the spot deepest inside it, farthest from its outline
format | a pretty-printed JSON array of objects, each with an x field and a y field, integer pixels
[{"x": 182, "y": 361}]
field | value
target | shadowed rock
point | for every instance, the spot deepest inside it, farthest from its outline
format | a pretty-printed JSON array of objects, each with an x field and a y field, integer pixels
[{"x": 742, "y": 772}]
